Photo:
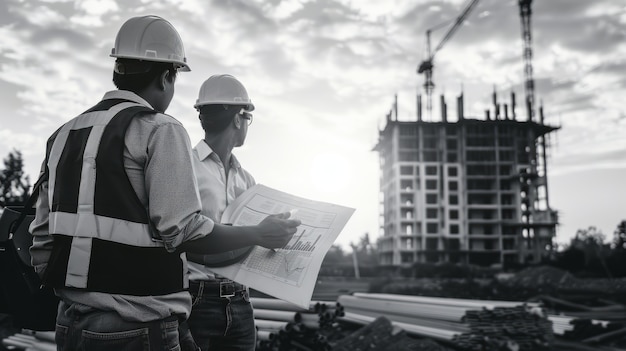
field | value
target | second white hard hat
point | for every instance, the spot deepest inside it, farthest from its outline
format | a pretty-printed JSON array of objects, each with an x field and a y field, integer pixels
[
  {"x": 223, "y": 89},
  {"x": 150, "y": 38}
]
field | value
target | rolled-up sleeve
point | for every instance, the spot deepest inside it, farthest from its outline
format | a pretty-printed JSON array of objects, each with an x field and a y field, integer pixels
[
  {"x": 42, "y": 240},
  {"x": 173, "y": 200}
]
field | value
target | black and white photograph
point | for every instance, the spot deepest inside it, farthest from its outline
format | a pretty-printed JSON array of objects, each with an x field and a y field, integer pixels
[{"x": 270, "y": 175}]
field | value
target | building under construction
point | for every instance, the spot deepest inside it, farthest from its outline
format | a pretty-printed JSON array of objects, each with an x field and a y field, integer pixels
[{"x": 468, "y": 191}]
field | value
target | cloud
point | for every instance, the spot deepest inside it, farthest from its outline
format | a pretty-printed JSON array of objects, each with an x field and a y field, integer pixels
[
  {"x": 321, "y": 15},
  {"x": 61, "y": 40},
  {"x": 96, "y": 8},
  {"x": 42, "y": 16},
  {"x": 329, "y": 69},
  {"x": 613, "y": 68}
]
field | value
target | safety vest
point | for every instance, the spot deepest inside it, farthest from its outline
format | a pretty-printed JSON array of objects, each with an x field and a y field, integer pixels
[{"x": 102, "y": 236}]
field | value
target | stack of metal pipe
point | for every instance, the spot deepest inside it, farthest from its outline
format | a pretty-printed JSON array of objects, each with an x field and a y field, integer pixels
[
  {"x": 506, "y": 326},
  {"x": 469, "y": 324},
  {"x": 31, "y": 341},
  {"x": 285, "y": 326}
]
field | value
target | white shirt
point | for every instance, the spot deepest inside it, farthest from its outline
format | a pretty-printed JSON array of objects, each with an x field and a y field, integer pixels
[{"x": 217, "y": 191}]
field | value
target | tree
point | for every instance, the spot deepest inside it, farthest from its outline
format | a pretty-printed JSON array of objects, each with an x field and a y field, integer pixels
[
  {"x": 336, "y": 263},
  {"x": 591, "y": 242},
  {"x": 589, "y": 255},
  {"x": 571, "y": 259},
  {"x": 617, "y": 259},
  {"x": 589, "y": 237},
  {"x": 619, "y": 236},
  {"x": 14, "y": 184},
  {"x": 366, "y": 252},
  {"x": 335, "y": 256}
]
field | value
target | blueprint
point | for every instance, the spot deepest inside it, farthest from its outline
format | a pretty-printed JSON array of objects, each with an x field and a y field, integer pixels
[{"x": 288, "y": 273}]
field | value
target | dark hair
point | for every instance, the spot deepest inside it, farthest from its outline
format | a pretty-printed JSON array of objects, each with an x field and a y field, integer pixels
[
  {"x": 143, "y": 73},
  {"x": 215, "y": 118}
]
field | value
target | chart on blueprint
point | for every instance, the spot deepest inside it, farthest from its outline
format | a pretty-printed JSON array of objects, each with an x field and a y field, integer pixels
[{"x": 288, "y": 273}]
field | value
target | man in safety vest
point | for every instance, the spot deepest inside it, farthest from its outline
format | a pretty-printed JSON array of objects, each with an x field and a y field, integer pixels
[
  {"x": 221, "y": 320},
  {"x": 121, "y": 207}
]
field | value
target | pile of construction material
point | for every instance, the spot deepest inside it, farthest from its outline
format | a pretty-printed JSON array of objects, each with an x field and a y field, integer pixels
[
  {"x": 380, "y": 334},
  {"x": 594, "y": 323},
  {"x": 466, "y": 324},
  {"x": 285, "y": 326},
  {"x": 512, "y": 327},
  {"x": 386, "y": 322}
]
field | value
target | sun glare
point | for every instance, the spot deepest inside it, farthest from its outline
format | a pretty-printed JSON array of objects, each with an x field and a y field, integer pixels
[{"x": 329, "y": 173}]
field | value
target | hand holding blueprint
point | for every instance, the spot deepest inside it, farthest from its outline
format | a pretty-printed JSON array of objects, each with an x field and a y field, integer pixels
[{"x": 288, "y": 273}]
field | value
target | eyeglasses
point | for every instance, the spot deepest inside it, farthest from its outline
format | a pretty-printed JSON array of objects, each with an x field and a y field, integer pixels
[{"x": 246, "y": 115}]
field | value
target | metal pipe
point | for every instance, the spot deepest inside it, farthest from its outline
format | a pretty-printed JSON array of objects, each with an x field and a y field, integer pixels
[
  {"x": 264, "y": 324},
  {"x": 287, "y": 316},
  {"x": 446, "y": 301},
  {"x": 276, "y": 304}
]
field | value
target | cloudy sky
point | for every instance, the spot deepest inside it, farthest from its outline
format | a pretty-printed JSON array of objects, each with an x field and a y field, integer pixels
[{"x": 323, "y": 75}]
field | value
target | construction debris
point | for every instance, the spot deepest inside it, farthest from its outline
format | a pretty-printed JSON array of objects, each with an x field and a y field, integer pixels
[
  {"x": 466, "y": 324},
  {"x": 381, "y": 335}
]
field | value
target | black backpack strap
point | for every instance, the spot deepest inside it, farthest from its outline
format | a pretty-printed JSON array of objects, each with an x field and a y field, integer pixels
[{"x": 28, "y": 204}]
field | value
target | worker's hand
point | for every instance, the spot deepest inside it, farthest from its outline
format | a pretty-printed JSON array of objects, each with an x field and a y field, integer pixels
[{"x": 276, "y": 230}]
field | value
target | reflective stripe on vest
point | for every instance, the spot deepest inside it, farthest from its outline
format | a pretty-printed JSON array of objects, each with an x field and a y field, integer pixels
[{"x": 103, "y": 241}]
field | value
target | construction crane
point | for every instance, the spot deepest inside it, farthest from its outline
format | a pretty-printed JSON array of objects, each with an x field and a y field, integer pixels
[
  {"x": 529, "y": 83},
  {"x": 544, "y": 219},
  {"x": 426, "y": 67}
]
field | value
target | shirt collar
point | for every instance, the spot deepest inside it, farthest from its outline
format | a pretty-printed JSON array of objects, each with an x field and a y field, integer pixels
[
  {"x": 204, "y": 150},
  {"x": 127, "y": 95}
]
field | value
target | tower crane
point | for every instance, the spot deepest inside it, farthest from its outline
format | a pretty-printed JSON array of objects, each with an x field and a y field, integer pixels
[
  {"x": 426, "y": 67},
  {"x": 542, "y": 229},
  {"x": 529, "y": 83}
]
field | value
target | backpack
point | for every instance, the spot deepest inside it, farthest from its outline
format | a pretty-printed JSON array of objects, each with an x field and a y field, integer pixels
[{"x": 21, "y": 294}]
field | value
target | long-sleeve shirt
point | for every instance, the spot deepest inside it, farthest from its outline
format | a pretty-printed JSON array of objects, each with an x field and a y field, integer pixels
[
  {"x": 158, "y": 162},
  {"x": 217, "y": 191}
]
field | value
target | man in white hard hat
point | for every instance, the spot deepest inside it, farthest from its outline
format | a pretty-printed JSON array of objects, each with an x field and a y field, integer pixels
[
  {"x": 121, "y": 207},
  {"x": 221, "y": 321}
]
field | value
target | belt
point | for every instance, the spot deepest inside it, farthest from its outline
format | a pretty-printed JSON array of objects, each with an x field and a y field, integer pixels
[{"x": 227, "y": 288}]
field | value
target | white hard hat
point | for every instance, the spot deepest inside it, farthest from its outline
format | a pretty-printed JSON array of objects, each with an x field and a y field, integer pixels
[
  {"x": 223, "y": 89},
  {"x": 150, "y": 38}
]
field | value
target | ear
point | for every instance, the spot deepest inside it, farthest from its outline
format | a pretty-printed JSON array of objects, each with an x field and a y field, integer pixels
[
  {"x": 237, "y": 121},
  {"x": 163, "y": 79}
]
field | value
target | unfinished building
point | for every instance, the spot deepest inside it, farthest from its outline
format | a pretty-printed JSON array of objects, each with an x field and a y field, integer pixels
[{"x": 469, "y": 191}]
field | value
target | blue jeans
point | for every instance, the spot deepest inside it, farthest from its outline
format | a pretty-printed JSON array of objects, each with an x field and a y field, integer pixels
[
  {"x": 83, "y": 328},
  {"x": 226, "y": 324}
]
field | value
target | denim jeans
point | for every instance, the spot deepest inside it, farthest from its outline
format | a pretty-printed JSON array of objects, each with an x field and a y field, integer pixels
[
  {"x": 227, "y": 324},
  {"x": 83, "y": 328}
]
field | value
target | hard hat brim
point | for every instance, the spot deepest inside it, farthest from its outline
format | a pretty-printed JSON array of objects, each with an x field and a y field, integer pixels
[
  {"x": 181, "y": 66},
  {"x": 249, "y": 105}
]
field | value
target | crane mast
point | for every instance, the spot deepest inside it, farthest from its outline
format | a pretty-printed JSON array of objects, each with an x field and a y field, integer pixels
[
  {"x": 541, "y": 230},
  {"x": 529, "y": 83}
]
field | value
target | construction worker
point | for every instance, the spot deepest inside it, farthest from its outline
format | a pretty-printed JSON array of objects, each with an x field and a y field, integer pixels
[
  {"x": 220, "y": 321},
  {"x": 121, "y": 207}
]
